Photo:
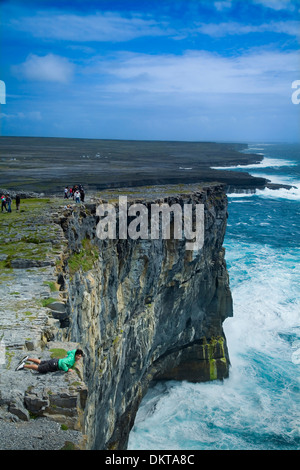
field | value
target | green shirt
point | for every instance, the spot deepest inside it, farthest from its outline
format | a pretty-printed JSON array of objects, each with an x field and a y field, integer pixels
[{"x": 67, "y": 362}]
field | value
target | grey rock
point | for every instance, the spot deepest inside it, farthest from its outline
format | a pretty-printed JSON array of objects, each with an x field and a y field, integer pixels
[
  {"x": 18, "y": 409},
  {"x": 30, "y": 263},
  {"x": 35, "y": 403},
  {"x": 59, "y": 315},
  {"x": 58, "y": 306}
]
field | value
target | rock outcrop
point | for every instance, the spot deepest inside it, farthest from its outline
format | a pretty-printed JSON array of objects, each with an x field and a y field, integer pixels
[{"x": 145, "y": 310}]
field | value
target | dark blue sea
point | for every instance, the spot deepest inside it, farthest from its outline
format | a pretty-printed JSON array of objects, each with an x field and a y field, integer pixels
[{"x": 258, "y": 406}]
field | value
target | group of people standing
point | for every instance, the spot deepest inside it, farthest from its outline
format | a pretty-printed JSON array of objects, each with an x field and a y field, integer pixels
[
  {"x": 76, "y": 193},
  {"x": 6, "y": 202}
]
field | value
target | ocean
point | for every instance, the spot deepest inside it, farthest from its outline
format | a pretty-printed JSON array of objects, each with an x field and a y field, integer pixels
[{"x": 258, "y": 406}]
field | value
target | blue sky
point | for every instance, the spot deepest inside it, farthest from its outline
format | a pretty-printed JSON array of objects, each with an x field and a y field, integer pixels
[{"x": 166, "y": 70}]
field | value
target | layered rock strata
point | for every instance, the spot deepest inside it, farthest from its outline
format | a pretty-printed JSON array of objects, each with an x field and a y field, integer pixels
[
  {"x": 142, "y": 310},
  {"x": 145, "y": 310}
]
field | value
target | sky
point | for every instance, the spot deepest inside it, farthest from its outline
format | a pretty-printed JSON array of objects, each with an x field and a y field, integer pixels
[{"x": 190, "y": 70}]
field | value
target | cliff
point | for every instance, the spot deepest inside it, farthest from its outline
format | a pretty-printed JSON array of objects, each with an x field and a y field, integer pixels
[
  {"x": 147, "y": 310},
  {"x": 142, "y": 310}
]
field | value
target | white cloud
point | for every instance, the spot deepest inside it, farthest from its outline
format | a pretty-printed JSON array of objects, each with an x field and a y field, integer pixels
[
  {"x": 223, "y": 5},
  {"x": 30, "y": 115},
  {"x": 276, "y": 4},
  {"x": 97, "y": 27},
  {"x": 291, "y": 28},
  {"x": 200, "y": 74},
  {"x": 112, "y": 27},
  {"x": 49, "y": 68}
]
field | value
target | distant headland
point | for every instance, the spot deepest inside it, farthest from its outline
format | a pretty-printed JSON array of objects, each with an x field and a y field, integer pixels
[{"x": 48, "y": 164}]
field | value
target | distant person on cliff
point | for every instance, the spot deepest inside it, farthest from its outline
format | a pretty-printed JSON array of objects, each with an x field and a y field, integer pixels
[
  {"x": 77, "y": 195},
  {"x": 8, "y": 202},
  {"x": 82, "y": 194},
  {"x": 3, "y": 202},
  {"x": 66, "y": 192},
  {"x": 52, "y": 365},
  {"x": 18, "y": 200}
]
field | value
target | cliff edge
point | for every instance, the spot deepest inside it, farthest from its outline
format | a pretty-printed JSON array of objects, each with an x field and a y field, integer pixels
[{"x": 142, "y": 310}]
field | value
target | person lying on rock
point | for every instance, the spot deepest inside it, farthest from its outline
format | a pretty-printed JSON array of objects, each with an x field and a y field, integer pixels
[{"x": 52, "y": 365}]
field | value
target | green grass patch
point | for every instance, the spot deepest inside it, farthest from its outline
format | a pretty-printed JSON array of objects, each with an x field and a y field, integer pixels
[
  {"x": 22, "y": 250},
  {"x": 52, "y": 285},
  {"x": 58, "y": 353},
  {"x": 26, "y": 234},
  {"x": 46, "y": 302},
  {"x": 85, "y": 259},
  {"x": 69, "y": 446}
]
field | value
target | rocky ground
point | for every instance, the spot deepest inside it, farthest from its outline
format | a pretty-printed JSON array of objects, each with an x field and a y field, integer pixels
[
  {"x": 36, "y": 411},
  {"x": 39, "y": 434},
  {"x": 47, "y": 165}
]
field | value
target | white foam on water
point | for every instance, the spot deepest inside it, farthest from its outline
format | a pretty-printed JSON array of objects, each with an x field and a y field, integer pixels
[
  {"x": 256, "y": 407},
  {"x": 265, "y": 163},
  {"x": 260, "y": 297},
  {"x": 296, "y": 356},
  {"x": 241, "y": 195},
  {"x": 292, "y": 194}
]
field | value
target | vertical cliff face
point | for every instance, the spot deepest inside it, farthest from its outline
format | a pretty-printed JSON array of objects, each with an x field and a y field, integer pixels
[{"x": 144, "y": 310}]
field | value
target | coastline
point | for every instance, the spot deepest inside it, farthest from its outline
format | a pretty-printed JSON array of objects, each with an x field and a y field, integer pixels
[{"x": 47, "y": 165}]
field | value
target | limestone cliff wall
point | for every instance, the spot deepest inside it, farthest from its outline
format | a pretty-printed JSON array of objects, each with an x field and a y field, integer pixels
[{"x": 144, "y": 310}]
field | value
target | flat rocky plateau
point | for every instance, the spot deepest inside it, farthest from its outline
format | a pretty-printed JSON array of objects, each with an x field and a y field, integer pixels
[{"x": 47, "y": 165}]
